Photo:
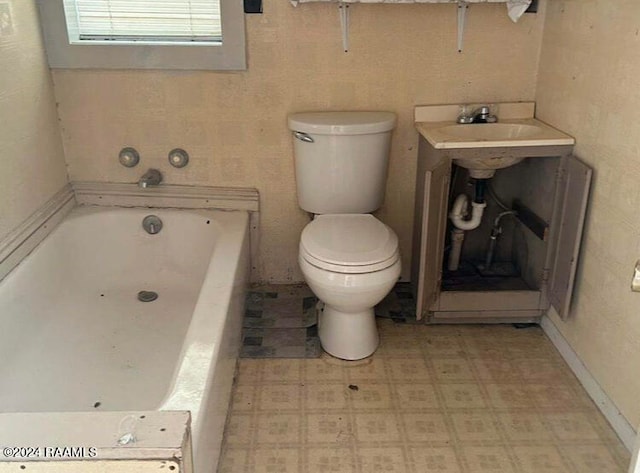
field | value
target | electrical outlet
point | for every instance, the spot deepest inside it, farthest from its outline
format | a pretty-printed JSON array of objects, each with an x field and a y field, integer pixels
[{"x": 6, "y": 22}]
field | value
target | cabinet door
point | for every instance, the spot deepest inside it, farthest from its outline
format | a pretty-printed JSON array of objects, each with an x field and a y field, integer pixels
[
  {"x": 569, "y": 215},
  {"x": 433, "y": 225}
]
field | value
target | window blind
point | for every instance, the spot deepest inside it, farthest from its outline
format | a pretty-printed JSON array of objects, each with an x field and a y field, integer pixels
[{"x": 146, "y": 21}]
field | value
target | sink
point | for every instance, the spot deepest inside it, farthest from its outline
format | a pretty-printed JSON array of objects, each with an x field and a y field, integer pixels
[
  {"x": 504, "y": 134},
  {"x": 485, "y": 168},
  {"x": 491, "y": 131},
  {"x": 510, "y": 133}
]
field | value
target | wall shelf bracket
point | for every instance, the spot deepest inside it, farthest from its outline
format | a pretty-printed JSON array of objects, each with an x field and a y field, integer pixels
[
  {"x": 463, "y": 7},
  {"x": 343, "y": 10}
]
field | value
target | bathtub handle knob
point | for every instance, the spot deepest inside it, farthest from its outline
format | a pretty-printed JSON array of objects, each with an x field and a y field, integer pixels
[
  {"x": 178, "y": 158},
  {"x": 129, "y": 157}
]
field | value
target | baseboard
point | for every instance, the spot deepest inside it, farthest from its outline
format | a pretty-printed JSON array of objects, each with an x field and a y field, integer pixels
[
  {"x": 22, "y": 240},
  {"x": 622, "y": 427}
]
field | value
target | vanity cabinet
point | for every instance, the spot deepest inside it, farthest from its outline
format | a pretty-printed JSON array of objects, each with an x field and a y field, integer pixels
[{"x": 549, "y": 188}]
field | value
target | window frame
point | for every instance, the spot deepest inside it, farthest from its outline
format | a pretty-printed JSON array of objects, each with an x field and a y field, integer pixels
[{"x": 228, "y": 56}]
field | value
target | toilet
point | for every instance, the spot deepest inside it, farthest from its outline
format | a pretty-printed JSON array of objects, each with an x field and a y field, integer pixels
[{"x": 349, "y": 259}]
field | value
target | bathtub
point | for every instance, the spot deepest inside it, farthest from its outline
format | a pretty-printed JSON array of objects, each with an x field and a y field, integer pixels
[{"x": 75, "y": 337}]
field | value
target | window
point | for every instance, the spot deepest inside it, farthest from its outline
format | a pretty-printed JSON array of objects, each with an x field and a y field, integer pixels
[
  {"x": 144, "y": 34},
  {"x": 143, "y": 21}
]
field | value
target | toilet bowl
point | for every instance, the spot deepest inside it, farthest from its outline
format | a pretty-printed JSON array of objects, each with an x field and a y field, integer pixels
[{"x": 350, "y": 262}]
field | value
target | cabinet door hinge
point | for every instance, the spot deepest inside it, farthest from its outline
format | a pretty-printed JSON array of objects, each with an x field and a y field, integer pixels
[{"x": 545, "y": 276}]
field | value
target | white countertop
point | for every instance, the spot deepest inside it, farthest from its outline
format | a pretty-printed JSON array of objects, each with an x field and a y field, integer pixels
[
  {"x": 545, "y": 135},
  {"x": 516, "y": 126}
]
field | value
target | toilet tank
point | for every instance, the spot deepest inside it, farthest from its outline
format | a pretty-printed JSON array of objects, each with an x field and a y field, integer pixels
[{"x": 341, "y": 160}]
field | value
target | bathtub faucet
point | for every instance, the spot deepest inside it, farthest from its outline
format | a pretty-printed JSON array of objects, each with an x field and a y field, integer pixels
[{"x": 152, "y": 177}]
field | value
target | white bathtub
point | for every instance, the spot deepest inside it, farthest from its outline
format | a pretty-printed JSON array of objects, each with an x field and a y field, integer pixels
[{"x": 75, "y": 337}]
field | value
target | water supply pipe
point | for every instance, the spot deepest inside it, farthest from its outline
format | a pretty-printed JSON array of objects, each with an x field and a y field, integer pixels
[{"x": 496, "y": 230}]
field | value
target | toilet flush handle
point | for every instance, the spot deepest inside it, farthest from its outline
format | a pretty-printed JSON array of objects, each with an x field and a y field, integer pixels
[{"x": 303, "y": 137}]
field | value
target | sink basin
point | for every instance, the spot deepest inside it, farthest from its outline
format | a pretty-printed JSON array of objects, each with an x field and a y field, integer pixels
[
  {"x": 485, "y": 168},
  {"x": 504, "y": 134},
  {"x": 491, "y": 131},
  {"x": 510, "y": 133}
]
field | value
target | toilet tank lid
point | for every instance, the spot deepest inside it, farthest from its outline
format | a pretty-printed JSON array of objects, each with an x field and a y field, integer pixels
[{"x": 342, "y": 123}]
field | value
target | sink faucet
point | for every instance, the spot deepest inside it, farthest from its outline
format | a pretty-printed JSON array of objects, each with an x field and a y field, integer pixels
[
  {"x": 481, "y": 114},
  {"x": 152, "y": 177}
]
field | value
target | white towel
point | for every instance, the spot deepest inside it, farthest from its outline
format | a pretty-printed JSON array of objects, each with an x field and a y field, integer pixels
[{"x": 515, "y": 8}]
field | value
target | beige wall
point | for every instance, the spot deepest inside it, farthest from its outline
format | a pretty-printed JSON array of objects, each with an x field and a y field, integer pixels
[
  {"x": 588, "y": 86},
  {"x": 32, "y": 165},
  {"x": 234, "y": 124}
]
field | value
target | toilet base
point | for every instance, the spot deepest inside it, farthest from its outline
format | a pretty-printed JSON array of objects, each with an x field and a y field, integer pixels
[{"x": 347, "y": 335}]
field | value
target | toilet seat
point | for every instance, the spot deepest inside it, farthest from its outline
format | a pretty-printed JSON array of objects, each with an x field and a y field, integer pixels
[
  {"x": 349, "y": 243},
  {"x": 336, "y": 268}
]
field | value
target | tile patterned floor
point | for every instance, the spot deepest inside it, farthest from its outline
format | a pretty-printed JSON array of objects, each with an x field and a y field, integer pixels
[
  {"x": 463, "y": 399},
  {"x": 280, "y": 322}
]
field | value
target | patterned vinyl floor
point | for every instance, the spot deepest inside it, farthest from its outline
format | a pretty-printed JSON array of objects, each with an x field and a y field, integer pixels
[{"x": 472, "y": 399}]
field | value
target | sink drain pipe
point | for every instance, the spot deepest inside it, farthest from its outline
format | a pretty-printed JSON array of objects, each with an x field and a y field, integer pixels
[
  {"x": 457, "y": 237},
  {"x": 459, "y": 211}
]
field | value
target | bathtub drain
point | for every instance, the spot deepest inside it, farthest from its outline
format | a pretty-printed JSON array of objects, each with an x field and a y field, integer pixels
[{"x": 147, "y": 296}]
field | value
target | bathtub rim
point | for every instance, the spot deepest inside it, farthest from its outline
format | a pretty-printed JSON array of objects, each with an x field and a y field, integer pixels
[{"x": 23, "y": 239}]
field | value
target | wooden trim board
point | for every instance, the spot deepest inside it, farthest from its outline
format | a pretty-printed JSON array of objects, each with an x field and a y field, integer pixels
[
  {"x": 166, "y": 196},
  {"x": 23, "y": 239}
]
